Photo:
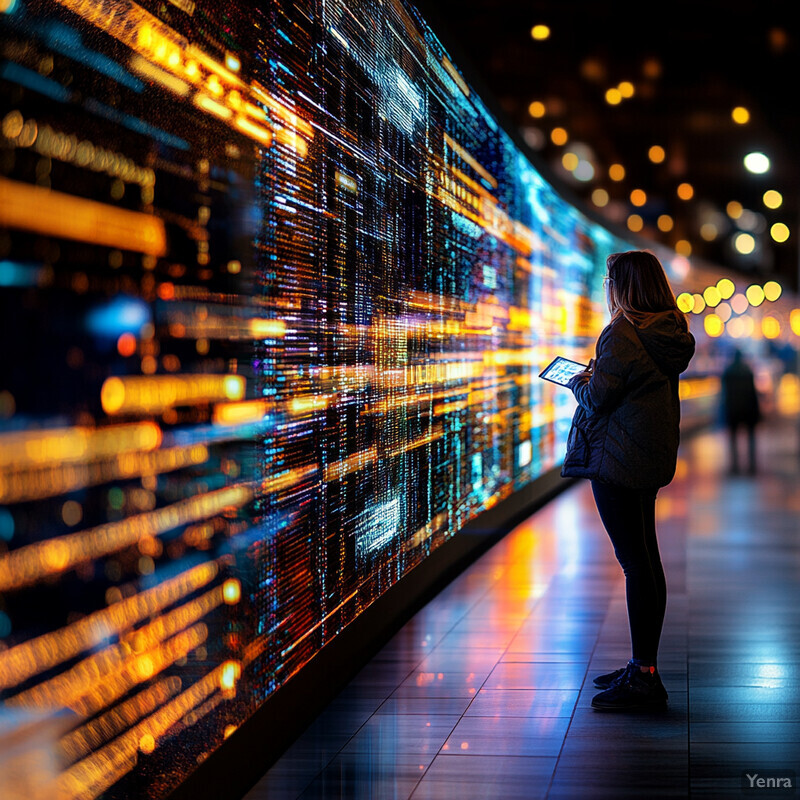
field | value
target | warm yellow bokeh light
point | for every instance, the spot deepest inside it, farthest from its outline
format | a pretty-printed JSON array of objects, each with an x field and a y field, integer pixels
[
  {"x": 744, "y": 243},
  {"x": 600, "y": 198},
  {"x": 754, "y": 294},
  {"x": 779, "y": 232},
  {"x": 770, "y": 327},
  {"x": 626, "y": 89},
  {"x": 712, "y": 296},
  {"x": 685, "y": 302},
  {"x": 616, "y": 172},
  {"x": 540, "y": 32},
  {"x": 772, "y": 291},
  {"x": 726, "y": 288},
  {"x": 794, "y": 321},
  {"x": 740, "y": 115},
  {"x": 713, "y": 325},
  {"x": 665, "y": 223},
  {"x": 683, "y": 247},
  {"x": 537, "y": 109},
  {"x": 656, "y": 154},
  {"x": 708, "y": 231},
  {"x": 559, "y": 136},
  {"x": 739, "y": 303},
  {"x": 734, "y": 209},
  {"x": 772, "y": 199},
  {"x": 699, "y": 304},
  {"x": 635, "y": 223},
  {"x": 638, "y": 197},
  {"x": 686, "y": 191},
  {"x": 613, "y": 96},
  {"x": 569, "y": 161}
]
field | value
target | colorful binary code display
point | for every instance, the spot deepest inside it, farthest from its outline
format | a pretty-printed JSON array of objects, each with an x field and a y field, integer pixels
[{"x": 276, "y": 290}]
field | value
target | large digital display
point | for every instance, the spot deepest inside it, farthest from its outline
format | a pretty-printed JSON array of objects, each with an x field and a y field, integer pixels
[{"x": 276, "y": 290}]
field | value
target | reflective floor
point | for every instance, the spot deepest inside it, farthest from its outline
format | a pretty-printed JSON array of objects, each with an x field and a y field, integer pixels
[{"x": 486, "y": 692}]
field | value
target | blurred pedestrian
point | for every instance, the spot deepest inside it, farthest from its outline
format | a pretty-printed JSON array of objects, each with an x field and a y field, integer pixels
[
  {"x": 740, "y": 409},
  {"x": 624, "y": 438}
]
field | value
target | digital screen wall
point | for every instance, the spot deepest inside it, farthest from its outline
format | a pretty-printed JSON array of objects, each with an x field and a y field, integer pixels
[{"x": 275, "y": 289}]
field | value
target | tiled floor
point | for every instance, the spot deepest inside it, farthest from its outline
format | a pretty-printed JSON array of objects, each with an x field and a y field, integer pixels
[{"x": 486, "y": 692}]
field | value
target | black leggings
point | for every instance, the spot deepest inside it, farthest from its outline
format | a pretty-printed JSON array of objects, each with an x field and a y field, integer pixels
[{"x": 629, "y": 516}]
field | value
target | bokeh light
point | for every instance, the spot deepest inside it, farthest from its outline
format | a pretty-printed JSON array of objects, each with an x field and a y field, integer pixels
[{"x": 754, "y": 294}]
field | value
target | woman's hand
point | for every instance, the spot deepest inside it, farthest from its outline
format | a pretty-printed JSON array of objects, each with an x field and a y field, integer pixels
[{"x": 581, "y": 377}]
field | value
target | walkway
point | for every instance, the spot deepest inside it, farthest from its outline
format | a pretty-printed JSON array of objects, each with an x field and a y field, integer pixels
[{"x": 486, "y": 692}]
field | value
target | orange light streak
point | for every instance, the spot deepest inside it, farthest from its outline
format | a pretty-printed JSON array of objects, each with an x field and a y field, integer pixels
[
  {"x": 19, "y": 663},
  {"x": 41, "y": 210},
  {"x": 33, "y": 562},
  {"x": 24, "y": 485},
  {"x": 288, "y": 479},
  {"x": 353, "y": 463},
  {"x": 92, "y": 735},
  {"x": 465, "y": 156},
  {"x": 89, "y": 778},
  {"x": 68, "y": 687},
  {"x": 240, "y": 413},
  {"x": 174, "y": 61},
  {"x": 34, "y": 448},
  {"x": 154, "y": 393},
  {"x": 97, "y": 682}
]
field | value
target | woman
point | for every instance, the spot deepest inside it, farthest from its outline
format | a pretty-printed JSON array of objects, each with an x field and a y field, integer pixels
[{"x": 624, "y": 438}]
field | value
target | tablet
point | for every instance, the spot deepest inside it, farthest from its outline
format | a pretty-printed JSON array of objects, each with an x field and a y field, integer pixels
[{"x": 560, "y": 370}]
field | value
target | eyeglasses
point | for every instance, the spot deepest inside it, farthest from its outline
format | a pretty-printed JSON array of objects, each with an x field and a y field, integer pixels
[{"x": 606, "y": 280}]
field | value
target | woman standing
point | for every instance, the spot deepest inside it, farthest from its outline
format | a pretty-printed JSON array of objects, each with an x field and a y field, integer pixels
[{"x": 624, "y": 438}]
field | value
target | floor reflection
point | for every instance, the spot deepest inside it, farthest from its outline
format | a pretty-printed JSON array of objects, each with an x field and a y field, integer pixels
[{"x": 486, "y": 692}]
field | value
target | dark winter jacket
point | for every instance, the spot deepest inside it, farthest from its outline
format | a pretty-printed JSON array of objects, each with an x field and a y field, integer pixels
[{"x": 625, "y": 431}]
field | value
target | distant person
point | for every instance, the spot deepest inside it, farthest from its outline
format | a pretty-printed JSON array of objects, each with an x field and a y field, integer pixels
[
  {"x": 624, "y": 438},
  {"x": 740, "y": 409}
]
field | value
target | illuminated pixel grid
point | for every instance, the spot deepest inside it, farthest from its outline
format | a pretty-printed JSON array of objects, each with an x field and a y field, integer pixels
[{"x": 279, "y": 290}]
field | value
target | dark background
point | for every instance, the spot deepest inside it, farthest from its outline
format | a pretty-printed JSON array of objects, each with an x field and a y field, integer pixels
[{"x": 691, "y": 64}]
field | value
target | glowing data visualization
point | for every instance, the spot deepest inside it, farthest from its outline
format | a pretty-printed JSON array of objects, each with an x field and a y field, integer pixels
[{"x": 276, "y": 289}]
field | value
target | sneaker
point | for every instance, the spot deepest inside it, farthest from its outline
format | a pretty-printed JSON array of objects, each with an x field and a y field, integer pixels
[
  {"x": 605, "y": 681},
  {"x": 633, "y": 691}
]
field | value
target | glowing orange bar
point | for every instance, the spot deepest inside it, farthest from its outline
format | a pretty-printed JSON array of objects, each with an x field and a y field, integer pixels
[
  {"x": 92, "y": 735},
  {"x": 354, "y": 463},
  {"x": 40, "y": 210},
  {"x": 152, "y": 394},
  {"x": 24, "y": 485},
  {"x": 33, "y": 562},
  {"x": 21, "y": 662},
  {"x": 34, "y": 448},
  {"x": 288, "y": 479},
  {"x": 457, "y": 148},
  {"x": 92, "y": 776},
  {"x": 82, "y": 679},
  {"x": 240, "y": 413}
]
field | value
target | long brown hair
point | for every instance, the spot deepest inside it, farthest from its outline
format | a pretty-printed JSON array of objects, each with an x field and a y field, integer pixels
[{"x": 638, "y": 288}]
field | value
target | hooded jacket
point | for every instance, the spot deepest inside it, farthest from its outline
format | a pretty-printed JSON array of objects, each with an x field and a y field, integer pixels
[{"x": 625, "y": 431}]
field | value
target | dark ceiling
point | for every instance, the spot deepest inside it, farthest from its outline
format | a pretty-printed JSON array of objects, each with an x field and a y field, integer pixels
[{"x": 690, "y": 64}]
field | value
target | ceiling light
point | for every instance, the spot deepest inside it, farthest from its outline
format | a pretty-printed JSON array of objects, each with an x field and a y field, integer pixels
[
  {"x": 536, "y": 109},
  {"x": 616, "y": 172},
  {"x": 779, "y": 232},
  {"x": 540, "y": 32},
  {"x": 744, "y": 243},
  {"x": 740, "y": 115},
  {"x": 757, "y": 163}
]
